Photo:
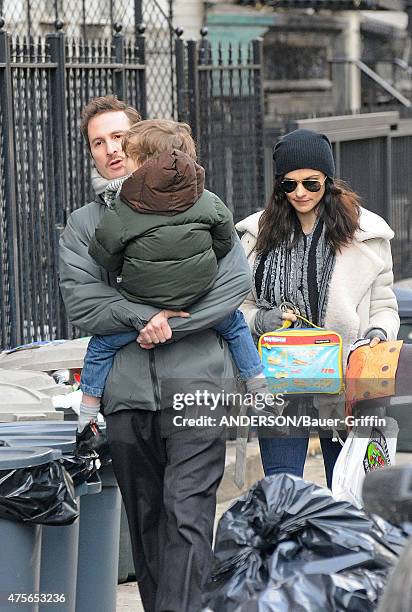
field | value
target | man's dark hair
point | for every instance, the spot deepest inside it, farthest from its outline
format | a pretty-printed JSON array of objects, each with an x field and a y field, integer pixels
[{"x": 106, "y": 104}]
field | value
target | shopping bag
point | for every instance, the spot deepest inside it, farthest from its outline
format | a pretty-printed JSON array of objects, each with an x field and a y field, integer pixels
[
  {"x": 365, "y": 449},
  {"x": 305, "y": 360}
]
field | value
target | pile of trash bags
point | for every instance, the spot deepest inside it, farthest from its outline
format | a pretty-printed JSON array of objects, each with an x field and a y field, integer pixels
[{"x": 288, "y": 545}]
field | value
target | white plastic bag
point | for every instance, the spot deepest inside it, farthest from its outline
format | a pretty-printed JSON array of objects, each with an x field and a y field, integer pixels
[{"x": 365, "y": 449}]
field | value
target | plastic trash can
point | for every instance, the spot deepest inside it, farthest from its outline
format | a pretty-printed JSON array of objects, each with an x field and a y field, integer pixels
[
  {"x": 97, "y": 569},
  {"x": 21, "y": 542},
  {"x": 400, "y": 407},
  {"x": 44, "y": 427},
  {"x": 99, "y": 529},
  {"x": 59, "y": 551},
  {"x": 66, "y": 444}
]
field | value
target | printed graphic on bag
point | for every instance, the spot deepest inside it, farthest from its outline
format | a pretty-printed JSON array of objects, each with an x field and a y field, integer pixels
[
  {"x": 377, "y": 453},
  {"x": 302, "y": 361}
]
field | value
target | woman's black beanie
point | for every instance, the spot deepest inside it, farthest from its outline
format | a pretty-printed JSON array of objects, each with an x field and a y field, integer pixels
[{"x": 304, "y": 149}]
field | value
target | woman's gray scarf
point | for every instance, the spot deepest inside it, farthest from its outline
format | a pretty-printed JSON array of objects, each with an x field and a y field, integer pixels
[{"x": 285, "y": 275}]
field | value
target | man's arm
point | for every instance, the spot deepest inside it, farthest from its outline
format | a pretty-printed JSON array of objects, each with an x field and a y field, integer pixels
[
  {"x": 97, "y": 308},
  {"x": 91, "y": 303}
]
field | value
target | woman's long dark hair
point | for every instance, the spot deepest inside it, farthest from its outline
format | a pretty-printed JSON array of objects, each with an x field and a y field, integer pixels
[{"x": 279, "y": 223}]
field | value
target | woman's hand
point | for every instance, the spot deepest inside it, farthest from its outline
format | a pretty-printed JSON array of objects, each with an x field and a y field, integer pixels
[
  {"x": 371, "y": 339},
  {"x": 268, "y": 320},
  {"x": 289, "y": 316},
  {"x": 376, "y": 335},
  {"x": 158, "y": 330}
]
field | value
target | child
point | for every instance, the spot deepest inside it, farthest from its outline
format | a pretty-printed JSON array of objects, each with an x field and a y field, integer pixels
[{"x": 162, "y": 234}]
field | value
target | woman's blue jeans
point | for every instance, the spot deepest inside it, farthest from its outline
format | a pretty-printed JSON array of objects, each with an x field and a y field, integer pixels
[{"x": 288, "y": 455}]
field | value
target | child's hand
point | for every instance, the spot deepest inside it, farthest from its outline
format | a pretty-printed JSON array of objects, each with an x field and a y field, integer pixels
[{"x": 158, "y": 330}]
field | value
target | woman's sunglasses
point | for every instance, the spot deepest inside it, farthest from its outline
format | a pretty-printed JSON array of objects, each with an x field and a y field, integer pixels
[{"x": 288, "y": 185}]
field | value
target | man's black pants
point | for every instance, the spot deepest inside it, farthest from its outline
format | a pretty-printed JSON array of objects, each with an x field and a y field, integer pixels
[{"x": 169, "y": 488}]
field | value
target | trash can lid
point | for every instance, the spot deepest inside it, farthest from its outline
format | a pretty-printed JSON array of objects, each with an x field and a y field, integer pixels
[
  {"x": 46, "y": 428},
  {"x": 33, "y": 380},
  {"x": 14, "y": 458},
  {"x": 46, "y": 355},
  {"x": 45, "y": 425},
  {"x": 16, "y": 395},
  {"x": 66, "y": 444},
  {"x": 37, "y": 431}
]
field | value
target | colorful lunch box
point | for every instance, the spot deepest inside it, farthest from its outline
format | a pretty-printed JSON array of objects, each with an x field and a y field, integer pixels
[{"x": 302, "y": 360}]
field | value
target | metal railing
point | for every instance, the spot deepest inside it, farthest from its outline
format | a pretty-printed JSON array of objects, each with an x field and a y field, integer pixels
[
  {"x": 100, "y": 19},
  {"x": 380, "y": 82},
  {"x": 220, "y": 93},
  {"x": 44, "y": 165}
]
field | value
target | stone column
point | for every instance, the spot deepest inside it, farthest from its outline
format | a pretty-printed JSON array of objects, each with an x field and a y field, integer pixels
[{"x": 352, "y": 51}]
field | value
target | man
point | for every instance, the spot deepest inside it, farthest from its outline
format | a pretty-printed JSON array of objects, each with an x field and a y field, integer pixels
[{"x": 168, "y": 484}]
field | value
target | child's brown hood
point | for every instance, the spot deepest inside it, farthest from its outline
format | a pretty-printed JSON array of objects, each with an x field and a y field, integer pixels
[{"x": 168, "y": 184}]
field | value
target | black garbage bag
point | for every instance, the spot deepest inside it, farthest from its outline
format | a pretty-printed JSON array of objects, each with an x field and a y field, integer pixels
[
  {"x": 41, "y": 494},
  {"x": 81, "y": 467},
  {"x": 287, "y": 544}
]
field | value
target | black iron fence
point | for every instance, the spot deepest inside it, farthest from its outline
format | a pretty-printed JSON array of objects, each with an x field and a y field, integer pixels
[
  {"x": 44, "y": 167},
  {"x": 373, "y": 154},
  {"x": 220, "y": 94},
  {"x": 91, "y": 19}
]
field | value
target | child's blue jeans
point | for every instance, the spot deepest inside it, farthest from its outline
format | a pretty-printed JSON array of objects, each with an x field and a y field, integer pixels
[
  {"x": 235, "y": 331},
  {"x": 102, "y": 350}
]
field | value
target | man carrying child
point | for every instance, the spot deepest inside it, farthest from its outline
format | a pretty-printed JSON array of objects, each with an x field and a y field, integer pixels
[{"x": 168, "y": 484}]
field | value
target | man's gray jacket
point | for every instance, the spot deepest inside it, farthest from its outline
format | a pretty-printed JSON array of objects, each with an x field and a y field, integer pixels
[{"x": 198, "y": 356}]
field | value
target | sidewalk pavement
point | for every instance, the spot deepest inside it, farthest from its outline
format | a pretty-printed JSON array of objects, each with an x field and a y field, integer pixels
[{"x": 128, "y": 599}]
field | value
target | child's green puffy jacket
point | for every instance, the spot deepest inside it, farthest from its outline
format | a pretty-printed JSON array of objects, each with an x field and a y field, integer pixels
[{"x": 164, "y": 233}]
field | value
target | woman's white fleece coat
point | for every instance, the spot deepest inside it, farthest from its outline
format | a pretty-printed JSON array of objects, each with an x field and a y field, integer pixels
[{"x": 360, "y": 293}]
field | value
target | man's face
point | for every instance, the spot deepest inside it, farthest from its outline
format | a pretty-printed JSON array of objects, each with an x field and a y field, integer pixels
[{"x": 105, "y": 133}]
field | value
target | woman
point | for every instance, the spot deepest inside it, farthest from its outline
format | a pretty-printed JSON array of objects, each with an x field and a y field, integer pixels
[{"x": 315, "y": 251}]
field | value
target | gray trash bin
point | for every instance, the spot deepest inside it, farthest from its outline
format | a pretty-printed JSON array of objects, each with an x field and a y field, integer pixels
[
  {"x": 26, "y": 438},
  {"x": 59, "y": 556},
  {"x": 97, "y": 569},
  {"x": 21, "y": 542},
  {"x": 59, "y": 543},
  {"x": 99, "y": 531},
  {"x": 400, "y": 407}
]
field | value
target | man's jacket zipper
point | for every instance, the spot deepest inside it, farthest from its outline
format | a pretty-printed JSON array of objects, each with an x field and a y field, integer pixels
[{"x": 153, "y": 375}]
